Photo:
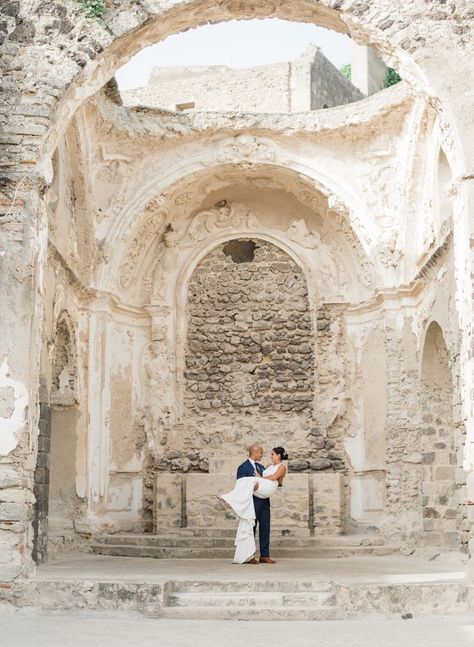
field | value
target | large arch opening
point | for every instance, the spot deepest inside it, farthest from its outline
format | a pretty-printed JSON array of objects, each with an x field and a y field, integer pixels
[
  {"x": 171, "y": 22},
  {"x": 285, "y": 67}
]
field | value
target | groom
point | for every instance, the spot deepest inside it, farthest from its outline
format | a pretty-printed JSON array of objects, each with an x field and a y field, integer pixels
[{"x": 262, "y": 506}]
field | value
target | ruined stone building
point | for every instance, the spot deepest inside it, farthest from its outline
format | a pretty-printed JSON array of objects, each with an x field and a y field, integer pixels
[
  {"x": 179, "y": 280},
  {"x": 307, "y": 83}
]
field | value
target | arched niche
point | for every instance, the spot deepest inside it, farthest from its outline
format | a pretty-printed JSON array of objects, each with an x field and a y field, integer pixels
[
  {"x": 133, "y": 241},
  {"x": 64, "y": 364},
  {"x": 55, "y": 474},
  {"x": 249, "y": 348},
  {"x": 438, "y": 443},
  {"x": 168, "y": 309}
]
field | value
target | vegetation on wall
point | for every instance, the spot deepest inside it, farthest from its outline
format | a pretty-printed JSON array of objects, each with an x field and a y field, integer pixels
[
  {"x": 93, "y": 8},
  {"x": 346, "y": 71},
  {"x": 392, "y": 77}
]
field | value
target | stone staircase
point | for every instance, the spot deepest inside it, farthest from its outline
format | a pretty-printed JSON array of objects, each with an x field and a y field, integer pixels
[
  {"x": 187, "y": 543},
  {"x": 269, "y": 600}
]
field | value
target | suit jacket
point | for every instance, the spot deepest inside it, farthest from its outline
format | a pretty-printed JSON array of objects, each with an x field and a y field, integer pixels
[{"x": 246, "y": 469}]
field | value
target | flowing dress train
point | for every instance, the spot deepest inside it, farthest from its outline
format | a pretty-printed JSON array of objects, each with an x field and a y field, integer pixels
[{"x": 240, "y": 499}]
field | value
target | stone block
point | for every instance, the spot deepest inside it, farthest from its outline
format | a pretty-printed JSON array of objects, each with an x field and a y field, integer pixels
[
  {"x": 290, "y": 506},
  {"x": 203, "y": 509},
  {"x": 13, "y": 511},
  {"x": 43, "y": 459},
  {"x": 328, "y": 503},
  {"x": 444, "y": 473},
  {"x": 9, "y": 477},
  {"x": 45, "y": 428},
  {"x": 125, "y": 495},
  {"x": 225, "y": 464},
  {"x": 44, "y": 444},
  {"x": 41, "y": 475},
  {"x": 367, "y": 497},
  {"x": 45, "y": 411},
  {"x": 168, "y": 499}
]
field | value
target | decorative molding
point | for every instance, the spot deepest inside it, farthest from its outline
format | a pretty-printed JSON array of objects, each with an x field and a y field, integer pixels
[
  {"x": 221, "y": 217},
  {"x": 246, "y": 148},
  {"x": 150, "y": 228}
]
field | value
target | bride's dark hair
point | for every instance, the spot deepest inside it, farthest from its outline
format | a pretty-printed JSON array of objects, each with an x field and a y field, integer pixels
[{"x": 281, "y": 453}]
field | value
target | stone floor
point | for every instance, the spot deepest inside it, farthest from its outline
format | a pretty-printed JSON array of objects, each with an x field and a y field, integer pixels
[
  {"x": 387, "y": 569},
  {"x": 293, "y": 589},
  {"x": 27, "y": 628}
]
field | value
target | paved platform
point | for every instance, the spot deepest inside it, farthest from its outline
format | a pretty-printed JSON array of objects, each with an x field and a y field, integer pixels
[
  {"x": 391, "y": 569},
  {"x": 292, "y": 589},
  {"x": 27, "y": 628}
]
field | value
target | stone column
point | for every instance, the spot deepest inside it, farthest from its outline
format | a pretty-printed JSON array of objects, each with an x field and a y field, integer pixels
[
  {"x": 164, "y": 387},
  {"x": 98, "y": 446}
]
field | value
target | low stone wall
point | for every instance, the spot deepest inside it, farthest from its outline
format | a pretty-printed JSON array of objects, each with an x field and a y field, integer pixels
[
  {"x": 306, "y": 502},
  {"x": 328, "y": 503}
]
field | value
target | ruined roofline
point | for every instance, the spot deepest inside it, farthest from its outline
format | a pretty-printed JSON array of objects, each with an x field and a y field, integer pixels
[
  {"x": 159, "y": 73},
  {"x": 151, "y": 121}
]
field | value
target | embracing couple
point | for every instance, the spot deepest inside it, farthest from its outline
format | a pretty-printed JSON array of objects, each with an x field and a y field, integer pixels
[{"x": 250, "y": 500}]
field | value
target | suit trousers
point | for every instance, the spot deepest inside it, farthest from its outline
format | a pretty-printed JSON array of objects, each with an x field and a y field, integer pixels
[{"x": 262, "y": 517}]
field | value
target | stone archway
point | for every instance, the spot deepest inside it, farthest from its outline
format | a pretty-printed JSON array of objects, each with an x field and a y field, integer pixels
[
  {"x": 437, "y": 444},
  {"x": 98, "y": 49},
  {"x": 55, "y": 474},
  {"x": 249, "y": 374}
]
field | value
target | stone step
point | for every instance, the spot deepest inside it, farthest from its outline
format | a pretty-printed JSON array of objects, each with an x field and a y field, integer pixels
[
  {"x": 249, "y": 586},
  {"x": 272, "y": 599},
  {"x": 226, "y": 552},
  {"x": 217, "y": 540},
  {"x": 252, "y": 599},
  {"x": 270, "y": 613}
]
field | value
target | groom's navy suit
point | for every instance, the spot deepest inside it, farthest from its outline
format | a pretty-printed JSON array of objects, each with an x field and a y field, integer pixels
[{"x": 262, "y": 508}]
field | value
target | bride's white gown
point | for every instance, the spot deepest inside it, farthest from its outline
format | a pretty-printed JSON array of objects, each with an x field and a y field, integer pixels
[{"x": 240, "y": 500}]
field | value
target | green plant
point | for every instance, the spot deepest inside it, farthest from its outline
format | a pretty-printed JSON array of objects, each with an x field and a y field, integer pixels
[
  {"x": 93, "y": 8},
  {"x": 392, "y": 77},
  {"x": 346, "y": 71}
]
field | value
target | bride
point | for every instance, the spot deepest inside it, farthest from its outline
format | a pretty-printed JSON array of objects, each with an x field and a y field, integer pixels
[{"x": 240, "y": 499}]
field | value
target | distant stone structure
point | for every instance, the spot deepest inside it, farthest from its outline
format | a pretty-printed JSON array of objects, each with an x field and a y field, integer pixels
[{"x": 310, "y": 82}]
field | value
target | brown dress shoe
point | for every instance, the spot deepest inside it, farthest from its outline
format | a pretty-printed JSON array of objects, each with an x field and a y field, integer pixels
[
  {"x": 267, "y": 560},
  {"x": 251, "y": 561}
]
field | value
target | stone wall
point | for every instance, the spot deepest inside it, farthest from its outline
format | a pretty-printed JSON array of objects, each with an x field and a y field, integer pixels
[
  {"x": 309, "y": 82},
  {"x": 250, "y": 342},
  {"x": 216, "y": 88},
  {"x": 329, "y": 87}
]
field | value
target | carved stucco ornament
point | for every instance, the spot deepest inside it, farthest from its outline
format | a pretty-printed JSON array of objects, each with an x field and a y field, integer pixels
[
  {"x": 299, "y": 233},
  {"x": 149, "y": 228},
  {"x": 221, "y": 217},
  {"x": 246, "y": 148}
]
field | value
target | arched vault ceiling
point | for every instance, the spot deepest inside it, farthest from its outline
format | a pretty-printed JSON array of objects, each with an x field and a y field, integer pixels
[
  {"x": 282, "y": 192},
  {"x": 353, "y": 155}
]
